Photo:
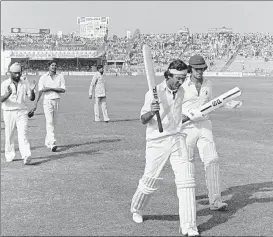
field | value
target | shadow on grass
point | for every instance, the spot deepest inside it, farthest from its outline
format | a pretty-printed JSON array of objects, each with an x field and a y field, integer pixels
[
  {"x": 124, "y": 120},
  {"x": 61, "y": 156},
  {"x": 161, "y": 217},
  {"x": 67, "y": 147},
  {"x": 242, "y": 196}
]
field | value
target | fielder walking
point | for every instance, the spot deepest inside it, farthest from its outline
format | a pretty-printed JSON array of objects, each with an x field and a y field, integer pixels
[
  {"x": 198, "y": 91},
  {"x": 97, "y": 88},
  {"x": 51, "y": 85},
  {"x": 170, "y": 144},
  {"x": 15, "y": 112}
]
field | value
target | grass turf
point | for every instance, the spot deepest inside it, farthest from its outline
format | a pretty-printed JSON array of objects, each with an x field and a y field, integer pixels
[{"x": 86, "y": 187}]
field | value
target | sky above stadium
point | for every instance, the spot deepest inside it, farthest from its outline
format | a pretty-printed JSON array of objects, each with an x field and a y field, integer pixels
[{"x": 148, "y": 16}]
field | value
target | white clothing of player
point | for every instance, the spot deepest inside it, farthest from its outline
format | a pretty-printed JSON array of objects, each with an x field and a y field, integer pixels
[
  {"x": 170, "y": 144},
  {"x": 15, "y": 114},
  {"x": 199, "y": 133},
  {"x": 51, "y": 104},
  {"x": 97, "y": 88}
]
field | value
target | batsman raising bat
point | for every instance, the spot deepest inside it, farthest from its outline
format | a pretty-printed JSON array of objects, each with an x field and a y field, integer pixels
[
  {"x": 198, "y": 94},
  {"x": 168, "y": 144}
]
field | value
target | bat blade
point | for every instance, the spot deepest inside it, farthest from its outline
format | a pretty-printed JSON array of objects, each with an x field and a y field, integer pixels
[
  {"x": 150, "y": 75},
  {"x": 218, "y": 102}
]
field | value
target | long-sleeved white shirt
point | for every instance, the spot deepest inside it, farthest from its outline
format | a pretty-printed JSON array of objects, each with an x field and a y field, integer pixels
[
  {"x": 170, "y": 112},
  {"x": 98, "y": 82}
]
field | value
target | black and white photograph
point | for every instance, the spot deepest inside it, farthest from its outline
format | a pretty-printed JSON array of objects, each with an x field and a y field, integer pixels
[{"x": 136, "y": 118}]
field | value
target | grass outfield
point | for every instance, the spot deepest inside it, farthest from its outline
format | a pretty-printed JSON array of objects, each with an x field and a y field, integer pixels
[{"x": 86, "y": 187}]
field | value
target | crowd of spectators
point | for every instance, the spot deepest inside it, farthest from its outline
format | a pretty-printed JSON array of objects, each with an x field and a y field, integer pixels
[
  {"x": 165, "y": 47},
  {"x": 257, "y": 45},
  {"x": 49, "y": 42}
]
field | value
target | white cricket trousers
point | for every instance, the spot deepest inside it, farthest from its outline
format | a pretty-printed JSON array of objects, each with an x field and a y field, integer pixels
[
  {"x": 100, "y": 102},
  {"x": 200, "y": 134},
  {"x": 157, "y": 153},
  {"x": 51, "y": 108},
  {"x": 19, "y": 119}
]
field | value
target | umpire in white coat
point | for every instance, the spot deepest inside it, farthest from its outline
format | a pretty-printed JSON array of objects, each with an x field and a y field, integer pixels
[
  {"x": 97, "y": 88},
  {"x": 51, "y": 85},
  {"x": 15, "y": 112}
]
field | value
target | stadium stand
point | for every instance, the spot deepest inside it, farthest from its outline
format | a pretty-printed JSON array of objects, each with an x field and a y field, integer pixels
[{"x": 230, "y": 52}]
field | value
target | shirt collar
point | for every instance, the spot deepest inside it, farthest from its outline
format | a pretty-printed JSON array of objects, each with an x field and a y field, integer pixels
[
  {"x": 163, "y": 87},
  {"x": 11, "y": 81},
  {"x": 189, "y": 82},
  {"x": 49, "y": 75}
]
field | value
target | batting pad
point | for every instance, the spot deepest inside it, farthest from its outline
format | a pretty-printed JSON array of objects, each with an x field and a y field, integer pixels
[
  {"x": 147, "y": 186},
  {"x": 185, "y": 182},
  {"x": 207, "y": 151},
  {"x": 213, "y": 182}
]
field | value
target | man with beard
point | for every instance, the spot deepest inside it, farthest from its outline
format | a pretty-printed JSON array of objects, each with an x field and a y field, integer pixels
[
  {"x": 97, "y": 88},
  {"x": 52, "y": 85},
  {"x": 15, "y": 112}
]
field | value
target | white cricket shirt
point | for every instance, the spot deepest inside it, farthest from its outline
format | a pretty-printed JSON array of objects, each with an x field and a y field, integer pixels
[
  {"x": 193, "y": 100},
  {"x": 56, "y": 82},
  {"x": 17, "y": 100},
  {"x": 170, "y": 112}
]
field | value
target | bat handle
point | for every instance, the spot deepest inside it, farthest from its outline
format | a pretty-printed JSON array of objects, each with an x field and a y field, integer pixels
[
  {"x": 160, "y": 128},
  {"x": 184, "y": 120}
]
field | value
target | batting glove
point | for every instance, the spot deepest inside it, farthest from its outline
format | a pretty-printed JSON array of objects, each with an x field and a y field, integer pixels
[{"x": 194, "y": 114}]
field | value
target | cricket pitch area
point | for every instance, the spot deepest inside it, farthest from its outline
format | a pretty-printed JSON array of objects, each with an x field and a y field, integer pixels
[{"x": 85, "y": 188}]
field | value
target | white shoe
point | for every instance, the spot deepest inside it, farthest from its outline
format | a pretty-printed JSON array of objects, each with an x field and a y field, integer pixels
[
  {"x": 190, "y": 232},
  {"x": 218, "y": 206},
  {"x": 9, "y": 160},
  {"x": 137, "y": 218},
  {"x": 27, "y": 160}
]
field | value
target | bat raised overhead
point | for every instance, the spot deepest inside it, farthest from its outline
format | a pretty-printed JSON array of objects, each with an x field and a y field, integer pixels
[{"x": 150, "y": 75}]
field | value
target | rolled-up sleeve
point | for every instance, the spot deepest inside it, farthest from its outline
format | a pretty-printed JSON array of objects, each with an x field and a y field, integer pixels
[
  {"x": 3, "y": 88},
  {"x": 62, "y": 82},
  {"x": 147, "y": 103},
  {"x": 41, "y": 84}
]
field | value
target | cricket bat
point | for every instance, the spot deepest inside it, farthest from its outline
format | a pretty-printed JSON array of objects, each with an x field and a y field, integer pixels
[
  {"x": 150, "y": 75},
  {"x": 218, "y": 102}
]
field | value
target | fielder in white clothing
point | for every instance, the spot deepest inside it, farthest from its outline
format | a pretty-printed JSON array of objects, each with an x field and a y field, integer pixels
[
  {"x": 15, "y": 112},
  {"x": 198, "y": 91},
  {"x": 51, "y": 85},
  {"x": 170, "y": 144},
  {"x": 97, "y": 88}
]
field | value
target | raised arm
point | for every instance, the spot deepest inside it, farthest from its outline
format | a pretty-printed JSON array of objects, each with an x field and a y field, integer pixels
[{"x": 5, "y": 94}]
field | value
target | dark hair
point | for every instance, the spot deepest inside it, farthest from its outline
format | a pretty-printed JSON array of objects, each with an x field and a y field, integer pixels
[
  {"x": 99, "y": 67},
  {"x": 190, "y": 69},
  {"x": 51, "y": 61},
  {"x": 177, "y": 64}
]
